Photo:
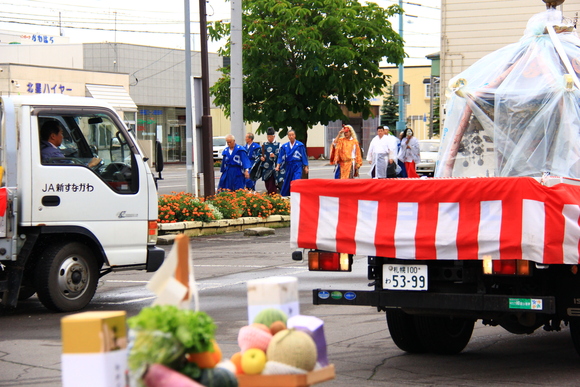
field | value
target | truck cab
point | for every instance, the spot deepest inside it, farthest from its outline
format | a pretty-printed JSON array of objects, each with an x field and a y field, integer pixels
[{"x": 72, "y": 218}]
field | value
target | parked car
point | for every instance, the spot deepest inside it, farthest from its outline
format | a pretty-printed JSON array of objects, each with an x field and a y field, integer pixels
[
  {"x": 429, "y": 155},
  {"x": 219, "y": 144}
]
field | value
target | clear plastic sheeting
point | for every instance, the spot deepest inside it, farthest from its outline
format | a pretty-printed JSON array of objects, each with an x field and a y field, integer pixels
[{"x": 516, "y": 112}]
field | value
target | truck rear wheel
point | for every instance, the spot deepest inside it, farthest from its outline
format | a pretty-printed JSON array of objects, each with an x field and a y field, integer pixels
[
  {"x": 444, "y": 335},
  {"x": 66, "y": 277},
  {"x": 403, "y": 332}
]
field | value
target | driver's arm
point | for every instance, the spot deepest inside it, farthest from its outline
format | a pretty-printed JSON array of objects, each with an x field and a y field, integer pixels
[{"x": 94, "y": 162}]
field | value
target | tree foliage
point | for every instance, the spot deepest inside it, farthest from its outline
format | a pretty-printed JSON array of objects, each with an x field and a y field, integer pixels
[
  {"x": 436, "y": 121},
  {"x": 302, "y": 60},
  {"x": 390, "y": 110}
]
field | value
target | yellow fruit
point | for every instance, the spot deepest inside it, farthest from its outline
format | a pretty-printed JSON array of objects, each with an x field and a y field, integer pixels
[{"x": 253, "y": 361}]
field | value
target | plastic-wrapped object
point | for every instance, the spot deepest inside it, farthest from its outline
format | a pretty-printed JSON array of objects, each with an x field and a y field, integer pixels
[{"x": 516, "y": 112}]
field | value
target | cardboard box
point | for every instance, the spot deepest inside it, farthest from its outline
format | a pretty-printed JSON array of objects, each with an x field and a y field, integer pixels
[
  {"x": 91, "y": 332},
  {"x": 302, "y": 380},
  {"x": 273, "y": 292},
  {"x": 94, "y": 346}
]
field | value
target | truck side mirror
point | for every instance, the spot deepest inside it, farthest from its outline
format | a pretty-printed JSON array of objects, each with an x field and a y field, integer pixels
[
  {"x": 158, "y": 157},
  {"x": 158, "y": 161}
]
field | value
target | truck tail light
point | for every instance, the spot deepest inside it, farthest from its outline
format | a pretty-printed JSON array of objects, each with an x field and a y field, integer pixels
[
  {"x": 327, "y": 261},
  {"x": 152, "y": 232},
  {"x": 506, "y": 267}
]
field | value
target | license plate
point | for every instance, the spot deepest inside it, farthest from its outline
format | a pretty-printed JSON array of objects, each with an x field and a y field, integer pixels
[{"x": 405, "y": 277}]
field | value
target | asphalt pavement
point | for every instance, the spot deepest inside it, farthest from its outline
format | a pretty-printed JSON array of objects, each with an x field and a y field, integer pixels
[{"x": 358, "y": 340}]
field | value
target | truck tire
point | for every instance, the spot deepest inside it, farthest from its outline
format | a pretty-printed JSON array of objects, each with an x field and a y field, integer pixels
[
  {"x": 66, "y": 277},
  {"x": 444, "y": 335},
  {"x": 403, "y": 332}
]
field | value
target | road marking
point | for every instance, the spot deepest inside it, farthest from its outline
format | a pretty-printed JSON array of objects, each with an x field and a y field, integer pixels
[
  {"x": 202, "y": 286},
  {"x": 128, "y": 281},
  {"x": 130, "y": 301}
]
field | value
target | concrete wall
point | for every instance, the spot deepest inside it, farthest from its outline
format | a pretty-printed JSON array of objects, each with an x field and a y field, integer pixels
[
  {"x": 156, "y": 74},
  {"x": 48, "y": 55}
]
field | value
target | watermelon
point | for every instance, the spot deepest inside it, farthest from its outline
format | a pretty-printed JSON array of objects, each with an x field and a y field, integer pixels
[
  {"x": 270, "y": 315},
  {"x": 218, "y": 377}
]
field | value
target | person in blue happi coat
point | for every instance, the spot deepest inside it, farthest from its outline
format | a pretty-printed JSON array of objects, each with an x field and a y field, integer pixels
[
  {"x": 254, "y": 152},
  {"x": 235, "y": 167},
  {"x": 270, "y": 151},
  {"x": 294, "y": 159}
]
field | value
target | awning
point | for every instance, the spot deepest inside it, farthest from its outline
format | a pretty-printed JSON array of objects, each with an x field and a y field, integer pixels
[{"x": 117, "y": 96}]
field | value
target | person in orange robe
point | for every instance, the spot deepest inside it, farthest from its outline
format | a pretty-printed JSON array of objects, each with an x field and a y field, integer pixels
[{"x": 347, "y": 153}]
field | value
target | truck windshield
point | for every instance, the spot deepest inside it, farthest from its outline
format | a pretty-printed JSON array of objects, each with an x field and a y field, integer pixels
[{"x": 91, "y": 140}]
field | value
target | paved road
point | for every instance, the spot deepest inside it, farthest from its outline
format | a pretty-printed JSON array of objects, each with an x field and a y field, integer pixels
[{"x": 358, "y": 340}]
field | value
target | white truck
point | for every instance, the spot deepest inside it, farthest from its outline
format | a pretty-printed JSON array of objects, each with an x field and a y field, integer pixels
[
  {"x": 495, "y": 236},
  {"x": 64, "y": 224}
]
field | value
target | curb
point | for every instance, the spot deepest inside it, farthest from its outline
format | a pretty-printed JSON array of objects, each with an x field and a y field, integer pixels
[{"x": 168, "y": 231}]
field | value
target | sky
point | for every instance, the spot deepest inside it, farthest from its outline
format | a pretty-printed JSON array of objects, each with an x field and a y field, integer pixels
[{"x": 162, "y": 23}]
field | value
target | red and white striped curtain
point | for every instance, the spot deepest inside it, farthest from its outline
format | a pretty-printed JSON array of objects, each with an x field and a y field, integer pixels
[{"x": 453, "y": 219}]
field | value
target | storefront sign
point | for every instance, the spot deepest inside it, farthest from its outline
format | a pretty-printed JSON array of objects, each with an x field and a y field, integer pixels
[
  {"x": 39, "y": 38},
  {"x": 147, "y": 112},
  {"x": 46, "y": 88}
]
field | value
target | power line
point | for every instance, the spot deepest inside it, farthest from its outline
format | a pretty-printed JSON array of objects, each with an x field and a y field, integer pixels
[
  {"x": 93, "y": 28},
  {"x": 86, "y": 20}
]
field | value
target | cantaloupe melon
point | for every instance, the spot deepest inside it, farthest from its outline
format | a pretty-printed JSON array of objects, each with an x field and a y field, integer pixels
[{"x": 294, "y": 348}]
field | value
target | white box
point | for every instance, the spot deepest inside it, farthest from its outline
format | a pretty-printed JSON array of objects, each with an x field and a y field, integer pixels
[
  {"x": 101, "y": 369},
  {"x": 273, "y": 292}
]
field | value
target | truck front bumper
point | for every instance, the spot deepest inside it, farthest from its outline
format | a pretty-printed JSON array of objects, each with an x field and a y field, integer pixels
[
  {"x": 155, "y": 257},
  {"x": 424, "y": 302}
]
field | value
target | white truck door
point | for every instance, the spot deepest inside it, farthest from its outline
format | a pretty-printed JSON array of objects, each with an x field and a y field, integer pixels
[{"x": 109, "y": 199}]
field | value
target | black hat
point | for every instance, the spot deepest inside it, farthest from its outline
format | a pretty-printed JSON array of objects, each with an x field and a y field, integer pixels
[{"x": 270, "y": 131}]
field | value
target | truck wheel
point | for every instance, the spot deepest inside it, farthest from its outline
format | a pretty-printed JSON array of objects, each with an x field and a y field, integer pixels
[
  {"x": 444, "y": 335},
  {"x": 403, "y": 332},
  {"x": 66, "y": 277}
]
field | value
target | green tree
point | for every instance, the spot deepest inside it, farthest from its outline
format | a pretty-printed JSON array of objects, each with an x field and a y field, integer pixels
[
  {"x": 436, "y": 117},
  {"x": 302, "y": 61},
  {"x": 390, "y": 110}
]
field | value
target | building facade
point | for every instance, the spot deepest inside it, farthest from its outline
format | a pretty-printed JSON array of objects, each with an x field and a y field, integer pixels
[
  {"x": 145, "y": 84},
  {"x": 417, "y": 81}
]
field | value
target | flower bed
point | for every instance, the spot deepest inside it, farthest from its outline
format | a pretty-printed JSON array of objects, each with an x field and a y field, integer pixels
[{"x": 185, "y": 207}]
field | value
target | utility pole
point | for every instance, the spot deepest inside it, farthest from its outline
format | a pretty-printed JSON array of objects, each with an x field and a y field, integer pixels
[
  {"x": 189, "y": 121},
  {"x": 206, "y": 122},
  {"x": 236, "y": 73},
  {"x": 401, "y": 123}
]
